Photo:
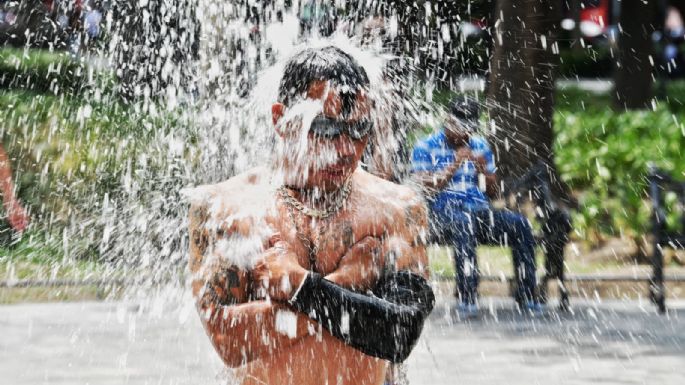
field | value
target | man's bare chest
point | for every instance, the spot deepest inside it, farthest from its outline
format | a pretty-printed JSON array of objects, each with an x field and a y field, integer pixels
[{"x": 324, "y": 242}]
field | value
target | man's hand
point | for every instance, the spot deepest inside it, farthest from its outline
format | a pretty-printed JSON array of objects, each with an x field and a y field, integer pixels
[
  {"x": 481, "y": 164},
  {"x": 489, "y": 182},
  {"x": 462, "y": 154},
  {"x": 361, "y": 266},
  {"x": 279, "y": 271},
  {"x": 465, "y": 153}
]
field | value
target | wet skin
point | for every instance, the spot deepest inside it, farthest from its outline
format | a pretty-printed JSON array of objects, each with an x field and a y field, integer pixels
[{"x": 379, "y": 220}]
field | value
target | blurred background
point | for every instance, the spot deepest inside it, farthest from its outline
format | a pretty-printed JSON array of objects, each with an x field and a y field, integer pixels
[
  {"x": 108, "y": 108},
  {"x": 95, "y": 93}
]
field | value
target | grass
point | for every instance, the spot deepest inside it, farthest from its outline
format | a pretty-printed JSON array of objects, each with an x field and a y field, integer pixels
[
  {"x": 34, "y": 257},
  {"x": 37, "y": 257},
  {"x": 10, "y": 296},
  {"x": 497, "y": 261}
]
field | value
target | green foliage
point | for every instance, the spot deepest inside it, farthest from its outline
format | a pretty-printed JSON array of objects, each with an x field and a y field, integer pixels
[
  {"x": 41, "y": 70},
  {"x": 603, "y": 155},
  {"x": 67, "y": 154}
]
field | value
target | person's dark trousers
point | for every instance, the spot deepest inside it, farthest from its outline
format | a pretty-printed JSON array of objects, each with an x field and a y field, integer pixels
[{"x": 464, "y": 230}]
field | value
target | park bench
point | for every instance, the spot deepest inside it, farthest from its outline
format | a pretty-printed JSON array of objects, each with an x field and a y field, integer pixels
[
  {"x": 660, "y": 183},
  {"x": 555, "y": 225}
]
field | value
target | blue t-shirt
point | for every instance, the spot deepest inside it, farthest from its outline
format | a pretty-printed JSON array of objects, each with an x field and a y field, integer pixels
[{"x": 462, "y": 193}]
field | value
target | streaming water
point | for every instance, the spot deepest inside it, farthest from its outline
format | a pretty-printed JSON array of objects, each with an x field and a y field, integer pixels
[
  {"x": 200, "y": 80},
  {"x": 226, "y": 129}
]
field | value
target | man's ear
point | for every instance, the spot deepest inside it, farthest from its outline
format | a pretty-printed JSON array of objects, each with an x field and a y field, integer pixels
[{"x": 277, "y": 111}]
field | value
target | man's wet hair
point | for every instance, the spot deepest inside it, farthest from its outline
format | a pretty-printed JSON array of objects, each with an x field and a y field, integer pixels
[{"x": 320, "y": 64}]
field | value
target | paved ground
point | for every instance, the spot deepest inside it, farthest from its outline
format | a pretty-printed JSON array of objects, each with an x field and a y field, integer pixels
[{"x": 116, "y": 343}]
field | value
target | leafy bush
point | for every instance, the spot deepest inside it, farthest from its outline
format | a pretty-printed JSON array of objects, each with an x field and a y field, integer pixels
[
  {"x": 70, "y": 156},
  {"x": 42, "y": 70},
  {"x": 604, "y": 155}
]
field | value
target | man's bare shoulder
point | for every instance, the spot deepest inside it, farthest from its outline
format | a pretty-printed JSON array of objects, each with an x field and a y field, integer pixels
[
  {"x": 228, "y": 219},
  {"x": 386, "y": 193},
  {"x": 246, "y": 193}
]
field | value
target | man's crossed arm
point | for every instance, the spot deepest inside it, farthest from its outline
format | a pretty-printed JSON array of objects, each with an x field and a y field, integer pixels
[{"x": 384, "y": 324}]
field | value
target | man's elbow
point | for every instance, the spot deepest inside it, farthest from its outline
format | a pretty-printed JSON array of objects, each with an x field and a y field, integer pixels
[
  {"x": 226, "y": 340},
  {"x": 407, "y": 332},
  {"x": 234, "y": 360},
  {"x": 233, "y": 355},
  {"x": 405, "y": 343}
]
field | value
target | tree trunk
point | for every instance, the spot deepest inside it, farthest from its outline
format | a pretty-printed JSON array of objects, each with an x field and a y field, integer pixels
[
  {"x": 153, "y": 47},
  {"x": 633, "y": 77},
  {"x": 521, "y": 88}
]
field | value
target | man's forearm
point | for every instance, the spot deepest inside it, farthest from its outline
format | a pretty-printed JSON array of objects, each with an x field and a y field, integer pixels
[
  {"x": 385, "y": 326},
  {"x": 434, "y": 181},
  {"x": 440, "y": 179},
  {"x": 246, "y": 332}
]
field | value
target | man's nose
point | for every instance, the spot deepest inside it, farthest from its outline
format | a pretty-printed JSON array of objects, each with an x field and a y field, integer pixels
[
  {"x": 343, "y": 145},
  {"x": 332, "y": 106}
]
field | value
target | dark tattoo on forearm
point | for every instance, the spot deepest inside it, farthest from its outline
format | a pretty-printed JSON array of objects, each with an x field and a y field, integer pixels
[
  {"x": 390, "y": 264},
  {"x": 347, "y": 234},
  {"x": 339, "y": 234},
  {"x": 201, "y": 239},
  {"x": 199, "y": 235},
  {"x": 417, "y": 223},
  {"x": 217, "y": 290}
]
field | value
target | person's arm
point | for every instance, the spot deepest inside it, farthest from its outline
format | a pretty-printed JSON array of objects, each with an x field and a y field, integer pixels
[
  {"x": 16, "y": 215},
  {"x": 436, "y": 180},
  {"x": 485, "y": 165},
  {"x": 242, "y": 330},
  {"x": 402, "y": 248},
  {"x": 388, "y": 323},
  {"x": 489, "y": 178}
]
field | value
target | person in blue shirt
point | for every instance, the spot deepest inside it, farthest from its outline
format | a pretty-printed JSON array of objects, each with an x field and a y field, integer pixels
[{"x": 457, "y": 169}]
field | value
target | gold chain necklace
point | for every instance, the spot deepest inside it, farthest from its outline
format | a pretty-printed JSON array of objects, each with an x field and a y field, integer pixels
[
  {"x": 293, "y": 203},
  {"x": 315, "y": 213}
]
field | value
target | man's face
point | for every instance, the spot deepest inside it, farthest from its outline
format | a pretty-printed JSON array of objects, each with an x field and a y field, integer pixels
[
  {"x": 455, "y": 132},
  {"x": 315, "y": 161}
]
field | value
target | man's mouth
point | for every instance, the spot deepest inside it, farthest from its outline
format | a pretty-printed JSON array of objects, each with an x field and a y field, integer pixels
[{"x": 336, "y": 170}]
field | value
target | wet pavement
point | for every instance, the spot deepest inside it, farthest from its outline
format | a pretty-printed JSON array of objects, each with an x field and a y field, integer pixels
[{"x": 622, "y": 342}]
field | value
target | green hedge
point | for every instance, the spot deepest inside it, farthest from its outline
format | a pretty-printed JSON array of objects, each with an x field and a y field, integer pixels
[
  {"x": 604, "y": 155},
  {"x": 42, "y": 70},
  {"x": 67, "y": 153}
]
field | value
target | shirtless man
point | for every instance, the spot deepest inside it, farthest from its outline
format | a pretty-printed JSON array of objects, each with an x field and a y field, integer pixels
[{"x": 312, "y": 271}]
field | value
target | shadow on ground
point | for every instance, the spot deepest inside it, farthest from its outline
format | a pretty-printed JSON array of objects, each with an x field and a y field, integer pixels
[
  {"x": 610, "y": 342},
  {"x": 123, "y": 343}
]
